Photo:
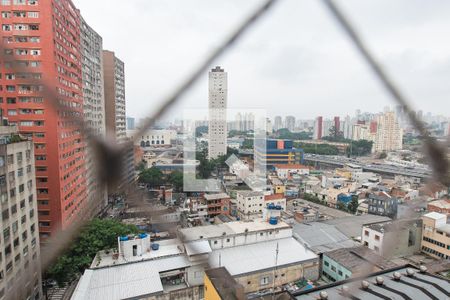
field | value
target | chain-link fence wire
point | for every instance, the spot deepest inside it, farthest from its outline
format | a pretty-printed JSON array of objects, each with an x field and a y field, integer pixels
[{"x": 109, "y": 155}]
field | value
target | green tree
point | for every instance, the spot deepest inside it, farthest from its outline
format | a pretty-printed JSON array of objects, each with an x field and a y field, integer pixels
[
  {"x": 152, "y": 176},
  {"x": 176, "y": 179},
  {"x": 382, "y": 155},
  {"x": 95, "y": 236},
  {"x": 360, "y": 148},
  {"x": 353, "y": 205},
  {"x": 200, "y": 130},
  {"x": 284, "y": 133},
  {"x": 247, "y": 144}
]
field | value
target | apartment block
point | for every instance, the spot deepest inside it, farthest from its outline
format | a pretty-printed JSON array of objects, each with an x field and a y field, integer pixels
[
  {"x": 20, "y": 273},
  {"x": 93, "y": 111},
  {"x": 114, "y": 78},
  {"x": 436, "y": 235},
  {"x": 217, "y": 130},
  {"x": 389, "y": 134},
  {"x": 250, "y": 204},
  {"x": 42, "y": 54}
]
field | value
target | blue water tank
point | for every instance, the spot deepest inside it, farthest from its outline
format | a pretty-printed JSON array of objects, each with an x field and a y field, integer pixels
[
  {"x": 278, "y": 207},
  {"x": 155, "y": 246},
  {"x": 123, "y": 238},
  {"x": 271, "y": 206},
  {"x": 273, "y": 221},
  {"x": 142, "y": 235}
]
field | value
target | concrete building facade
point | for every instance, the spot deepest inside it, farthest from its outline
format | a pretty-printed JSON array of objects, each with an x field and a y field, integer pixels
[
  {"x": 217, "y": 130},
  {"x": 436, "y": 235},
  {"x": 250, "y": 204},
  {"x": 114, "y": 78},
  {"x": 93, "y": 111},
  {"x": 20, "y": 272}
]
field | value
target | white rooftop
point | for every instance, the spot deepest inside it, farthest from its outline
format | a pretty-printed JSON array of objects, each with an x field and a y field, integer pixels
[
  {"x": 435, "y": 215},
  {"x": 197, "y": 247},
  {"x": 132, "y": 280},
  {"x": 166, "y": 248},
  {"x": 260, "y": 256},
  {"x": 230, "y": 228},
  {"x": 216, "y": 196}
]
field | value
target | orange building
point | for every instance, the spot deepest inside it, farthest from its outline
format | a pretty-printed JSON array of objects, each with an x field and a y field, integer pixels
[{"x": 42, "y": 39}]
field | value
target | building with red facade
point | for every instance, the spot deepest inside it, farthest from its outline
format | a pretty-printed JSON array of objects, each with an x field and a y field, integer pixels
[{"x": 41, "y": 63}]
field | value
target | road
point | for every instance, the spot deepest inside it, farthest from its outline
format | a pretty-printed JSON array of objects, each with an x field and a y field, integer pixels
[{"x": 371, "y": 167}]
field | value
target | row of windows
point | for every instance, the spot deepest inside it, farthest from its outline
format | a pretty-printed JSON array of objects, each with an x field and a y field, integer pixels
[
  {"x": 442, "y": 245},
  {"x": 20, "y": 27},
  {"x": 434, "y": 252},
  {"x": 20, "y": 14},
  {"x": 19, "y": 2}
]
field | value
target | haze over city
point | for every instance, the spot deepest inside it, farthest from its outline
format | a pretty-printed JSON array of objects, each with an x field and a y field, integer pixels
[{"x": 296, "y": 55}]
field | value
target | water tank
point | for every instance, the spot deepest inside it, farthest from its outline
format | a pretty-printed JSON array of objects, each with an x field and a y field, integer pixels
[
  {"x": 278, "y": 207},
  {"x": 155, "y": 246},
  {"x": 273, "y": 221},
  {"x": 271, "y": 206},
  {"x": 142, "y": 235},
  {"x": 123, "y": 238}
]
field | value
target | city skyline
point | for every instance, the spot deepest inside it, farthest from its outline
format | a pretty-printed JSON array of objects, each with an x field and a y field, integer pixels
[{"x": 287, "y": 65}]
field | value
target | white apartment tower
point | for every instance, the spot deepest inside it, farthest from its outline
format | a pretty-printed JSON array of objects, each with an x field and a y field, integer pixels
[
  {"x": 218, "y": 89},
  {"x": 389, "y": 136}
]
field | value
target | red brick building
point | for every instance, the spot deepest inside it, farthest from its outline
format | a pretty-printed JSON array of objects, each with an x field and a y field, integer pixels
[
  {"x": 217, "y": 204},
  {"x": 440, "y": 206},
  {"x": 42, "y": 59}
]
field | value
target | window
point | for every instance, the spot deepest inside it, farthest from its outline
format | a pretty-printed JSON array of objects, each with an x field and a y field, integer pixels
[
  {"x": 340, "y": 273},
  {"x": 333, "y": 268},
  {"x": 14, "y": 209},
  {"x": 377, "y": 237},
  {"x": 33, "y": 14},
  {"x": 20, "y": 172},
  {"x": 264, "y": 280},
  {"x": 6, "y": 234},
  {"x": 376, "y": 249},
  {"x": 326, "y": 263}
]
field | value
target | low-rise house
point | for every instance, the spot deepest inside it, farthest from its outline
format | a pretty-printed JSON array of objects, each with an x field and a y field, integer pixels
[
  {"x": 436, "y": 235},
  {"x": 382, "y": 204},
  {"x": 396, "y": 238},
  {"x": 440, "y": 206},
  {"x": 287, "y": 171},
  {"x": 217, "y": 204},
  {"x": 250, "y": 204}
]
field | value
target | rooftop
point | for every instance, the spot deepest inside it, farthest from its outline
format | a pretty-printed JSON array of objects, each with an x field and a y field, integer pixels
[
  {"x": 322, "y": 237},
  {"x": 166, "y": 248},
  {"x": 230, "y": 228},
  {"x": 443, "y": 203},
  {"x": 224, "y": 283},
  {"x": 351, "y": 226},
  {"x": 419, "y": 286},
  {"x": 350, "y": 260},
  {"x": 435, "y": 215},
  {"x": 291, "y": 166},
  {"x": 216, "y": 196},
  {"x": 132, "y": 280},
  {"x": 395, "y": 225},
  {"x": 250, "y": 193},
  {"x": 261, "y": 256}
]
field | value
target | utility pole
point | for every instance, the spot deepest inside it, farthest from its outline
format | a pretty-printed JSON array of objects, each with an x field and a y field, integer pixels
[{"x": 274, "y": 272}]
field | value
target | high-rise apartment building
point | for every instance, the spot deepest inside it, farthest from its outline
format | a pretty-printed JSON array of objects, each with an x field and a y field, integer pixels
[
  {"x": 93, "y": 110},
  {"x": 114, "y": 78},
  {"x": 115, "y": 115},
  {"x": 278, "y": 123},
  {"x": 337, "y": 124},
  {"x": 348, "y": 128},
  {"x": 42, "y": 53},
  {"x": 20, "y": 274},
  {"x": 318, "y": 128},
  {"x": 389, "y": 135},
  {"x": 217, "y": 131},
  {"x": 290, "y": 123}
]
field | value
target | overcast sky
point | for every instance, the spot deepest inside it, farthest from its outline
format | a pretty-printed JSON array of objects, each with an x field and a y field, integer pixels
[{"x": 296, "y": 61}]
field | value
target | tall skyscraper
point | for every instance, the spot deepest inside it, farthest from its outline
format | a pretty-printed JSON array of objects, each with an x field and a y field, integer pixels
[
  {"x": 114, "y": 78},
  {"x": 42, "y": 38},
  {"x": 318, "y": 128},
  {"x": 217, "y": 131},
  {"x": 337, "y": 124},
  {"x": 278, "y": 123},
  {"x": 93, "y": 110},
  {"x": 348, "y": 128},
  {"x": 290, "y": 123},
  {"x": 19, "y": 252}
]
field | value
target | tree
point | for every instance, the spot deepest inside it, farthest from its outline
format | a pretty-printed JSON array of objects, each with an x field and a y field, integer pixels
[
  {"x": 152, "y": 176},
  {"x": 382, "y": 155},
  {"x": 353, "y": 205},
  {"x": 176, "y": 179},
  {"x": 97, "y": 235},
  {"x": 360, "y": 148},
  {"x": 284, "y": 133},
  {"x": 247, "y": 144}
]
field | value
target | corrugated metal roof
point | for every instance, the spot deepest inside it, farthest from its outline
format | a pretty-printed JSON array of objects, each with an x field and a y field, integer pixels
[
  {"x": 260, "y": 256},
  {"x": 420, "y": 286},
  {"x": 197, "y": 247},
  {"x": 127, "y": 280}
]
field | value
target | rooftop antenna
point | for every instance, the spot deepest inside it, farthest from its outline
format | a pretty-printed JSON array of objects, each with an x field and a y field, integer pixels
[{"x": 274, "y": 271}]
